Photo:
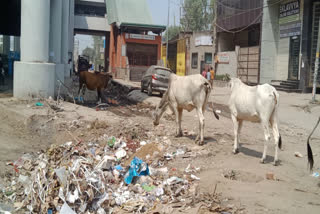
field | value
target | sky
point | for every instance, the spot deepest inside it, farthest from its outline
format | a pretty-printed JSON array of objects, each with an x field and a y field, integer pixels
[{"x": 159, "y": 13}]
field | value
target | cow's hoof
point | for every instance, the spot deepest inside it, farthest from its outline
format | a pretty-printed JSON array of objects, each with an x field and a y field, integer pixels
[
  {"x": 235, "y": 151},
  {"x": 262, "y": 161},
  {"x": 276, "y": 163},
  {"x": 179, "y": 134},
  {"x": 201, "y": 143}
]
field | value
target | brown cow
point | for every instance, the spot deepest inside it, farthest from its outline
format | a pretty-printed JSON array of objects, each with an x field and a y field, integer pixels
[{"x": 94, "y": 81}]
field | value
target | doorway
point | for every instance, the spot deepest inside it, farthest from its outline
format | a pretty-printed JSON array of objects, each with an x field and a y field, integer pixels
[{"x": 294, "y": 50}]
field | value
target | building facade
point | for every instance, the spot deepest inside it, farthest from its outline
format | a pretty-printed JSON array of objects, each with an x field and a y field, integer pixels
[{"x": 289, "y": 41}]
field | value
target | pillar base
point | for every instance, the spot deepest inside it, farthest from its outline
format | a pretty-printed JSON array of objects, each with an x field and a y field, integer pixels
[{"x": 33, "y": 80}]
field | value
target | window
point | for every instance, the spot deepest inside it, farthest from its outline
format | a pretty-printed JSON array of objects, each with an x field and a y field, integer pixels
[
  {"x": 194, "y": 60},
  {"x": 208, "y": 58}
]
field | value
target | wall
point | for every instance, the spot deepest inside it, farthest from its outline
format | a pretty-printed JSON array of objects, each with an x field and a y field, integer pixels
[
  {"x": 201, "y": 50},
  {"x": 231, "y": 67}
]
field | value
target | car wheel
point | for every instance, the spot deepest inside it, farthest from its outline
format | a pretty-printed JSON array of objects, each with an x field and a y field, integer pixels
[{"x": 149, "y": 90}]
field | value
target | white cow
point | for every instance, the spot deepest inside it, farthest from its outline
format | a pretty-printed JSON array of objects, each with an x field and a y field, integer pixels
[
  {"x": 185, "y": 92},
  {"x": 257, "y": 104}
]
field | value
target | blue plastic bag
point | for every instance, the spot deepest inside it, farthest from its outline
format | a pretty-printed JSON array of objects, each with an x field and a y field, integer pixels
[{"x": 137, "y": 168}]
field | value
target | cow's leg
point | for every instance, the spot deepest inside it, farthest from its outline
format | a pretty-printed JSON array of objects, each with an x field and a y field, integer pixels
[
  {"x": 236, "y": 129},
  {"x": 99, "y": 95},
  {"x": 180, "y": 120},
  {"x": 265, "y": 125},
  {"x": 276, "y": 135},
  {"x": 201, "y": 126}
]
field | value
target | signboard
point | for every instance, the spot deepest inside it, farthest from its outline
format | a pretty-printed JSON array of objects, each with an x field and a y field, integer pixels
[
  {"x": 140, "y": 36},
  {"x": 223, "y": 58},
  {"x": 203, "y": 41},
  {"x": 289, "y": 18},
  {"x": 101, "y": 50}
]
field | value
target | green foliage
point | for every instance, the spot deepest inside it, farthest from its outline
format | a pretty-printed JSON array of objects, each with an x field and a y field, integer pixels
[
  {"x": 198, "y": 15},
  {"x": 223, "y": 77},
  {"x": 173, "y": 31}
]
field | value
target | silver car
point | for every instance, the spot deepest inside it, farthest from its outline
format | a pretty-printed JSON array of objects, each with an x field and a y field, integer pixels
[{"x": 156, "y": 79}]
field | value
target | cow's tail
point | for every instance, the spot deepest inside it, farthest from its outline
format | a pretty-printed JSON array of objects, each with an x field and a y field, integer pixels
[
  {"x": 309, "y": 150},
  {"x": 208, "y": 89}
]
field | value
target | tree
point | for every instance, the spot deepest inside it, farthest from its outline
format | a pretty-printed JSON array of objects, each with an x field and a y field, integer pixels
[
  {"x": 89, "y": 52},
  {"x": 173, "y": 31},
  {"x": 198, "y": 15}
]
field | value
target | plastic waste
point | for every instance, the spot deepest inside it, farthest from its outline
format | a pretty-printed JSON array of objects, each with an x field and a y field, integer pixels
[
  {"x": 111, "y": 141},
  {"x": 142, "y": 143},
  {"x": 159, "y": 191},
  {"x": 39, "y": 104},
  {"x": 120, "y": 153},
  {"x": 118, "y": 167},
  {"x": 62, "y": 175},
  {"x": 137, "y": 168},
  {"x": 194, "y": 177},
  {"x": 298, "y": 154},
  {"x": 315, "y": 174},
  {"x": 148, "y": 188},
  {"x": 65, "y": 209}
]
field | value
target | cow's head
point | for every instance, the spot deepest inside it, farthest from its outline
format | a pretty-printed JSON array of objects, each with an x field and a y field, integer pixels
[
  {"x": 233, "y": 82},
  {"x": 157, "y": 114},
  {"x": 108, "y": 79}
]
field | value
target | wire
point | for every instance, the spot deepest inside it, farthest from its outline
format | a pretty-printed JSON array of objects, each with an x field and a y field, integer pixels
[{"x": 237, "y": 31}]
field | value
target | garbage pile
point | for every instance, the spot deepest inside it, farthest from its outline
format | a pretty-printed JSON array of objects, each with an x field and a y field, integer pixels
[{"x": 82, "y": 177}]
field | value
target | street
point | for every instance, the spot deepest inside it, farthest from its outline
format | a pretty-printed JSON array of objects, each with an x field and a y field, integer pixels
[{"x": 239, "y": 179}]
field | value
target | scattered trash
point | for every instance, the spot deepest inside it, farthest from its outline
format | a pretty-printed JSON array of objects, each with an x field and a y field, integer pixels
[
  {"x": 218, "y": 111},
  {"x": 315, "y": 174},
  {"x": 142, "y": 143},
  {"x": 137, "y": 168},
  {"x": 194, "y": 177},
  {"x": 121, "y": 153},
  {"x": 39, "y": 104},
  {"x": 65, "y": 209},
  {"x": 298, "y": 154},
  {"x": 270, "y": 176},
  {"x": 96, "y": 178}
]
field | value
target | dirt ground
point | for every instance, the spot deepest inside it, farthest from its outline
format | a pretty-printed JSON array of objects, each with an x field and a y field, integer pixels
[{"x": 240, "y": 178}]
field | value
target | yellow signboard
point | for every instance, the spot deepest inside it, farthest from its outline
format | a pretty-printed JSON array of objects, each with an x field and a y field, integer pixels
[{"x": 181, "y": 57}]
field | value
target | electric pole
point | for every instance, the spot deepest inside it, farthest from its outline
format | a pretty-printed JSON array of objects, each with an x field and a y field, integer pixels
[
  {"x": 215, "y": 39},
  {"x": 316, "y": 68},
  {"x": 167, "y": 48}
]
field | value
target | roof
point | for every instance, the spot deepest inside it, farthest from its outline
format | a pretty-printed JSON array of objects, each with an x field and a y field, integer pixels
[{"x": 132, "y": 14}]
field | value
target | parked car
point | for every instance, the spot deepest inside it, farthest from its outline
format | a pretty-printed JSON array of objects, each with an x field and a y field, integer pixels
[{"x": 156, "y": 79}]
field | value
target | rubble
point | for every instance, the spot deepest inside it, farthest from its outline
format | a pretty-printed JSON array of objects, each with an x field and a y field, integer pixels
[{"x": 79, "y": 177}]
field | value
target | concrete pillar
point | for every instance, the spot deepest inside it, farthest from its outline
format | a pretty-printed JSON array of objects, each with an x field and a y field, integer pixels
[
  {"x": 33, "y": 75},
  {"x": 55, "y": 31},
  {"x": 35, "y": 39},
  {"x": 269, "y": 41},
  {"x": 71, "y": 35},
  {"x": 16, "y": 44},
  {"x": 65, "y": 37},
  {"x": 6, "y": 45},
  {"x": 55, "y": 39}
]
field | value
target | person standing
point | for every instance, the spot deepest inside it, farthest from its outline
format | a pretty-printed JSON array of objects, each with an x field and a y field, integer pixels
[
  {"x": 211, "y": 76},
  {"x": 208, "y": 75},
  {"x": 204, "y": 73}
]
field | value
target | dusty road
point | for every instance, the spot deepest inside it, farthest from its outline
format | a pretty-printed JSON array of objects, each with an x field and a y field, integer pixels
[{"x": 240, "y": 178}]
